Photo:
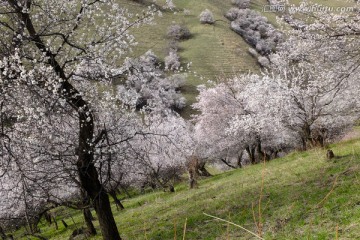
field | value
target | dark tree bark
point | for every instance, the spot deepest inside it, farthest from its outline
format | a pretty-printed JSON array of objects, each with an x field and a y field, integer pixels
[
  {"x": 87, "y": 172},
  {"x": 303, "y": 144},
  {"x": 126, "y": 191},
  {"x": 56, "y": 224},
  {"x": 88, "y": 221},
  {"x": 90, "y": 182},
  {"x": 239, "y": 159},
  {"x": 202, "y": 171},
  {"x": 319, "y": 139},
  {"x": 192, "y": 166},
  {"x": 37, "y": 218},
  {"x": 251, "y": 152},
  {"x": 262, "y": 155},
  {"x": 259, "y": 150},
  {"x": 48, "y": 218},
  {"x": 87, "y": 214},
  {"x": 64, "y": 223},
  {"x": 223, "y": 160},
  {"x": 171, "y": 188},
  {"x": 192, "y": 179},
  {"x": 118, "y": 204},
  {"x": 2, "y": 234},
  {"x": 306, "y": 137}
]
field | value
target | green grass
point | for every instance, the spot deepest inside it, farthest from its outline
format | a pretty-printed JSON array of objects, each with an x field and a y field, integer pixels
[
  {"x": 214, "y": 51},
  {"x": 301, "y": 196}
]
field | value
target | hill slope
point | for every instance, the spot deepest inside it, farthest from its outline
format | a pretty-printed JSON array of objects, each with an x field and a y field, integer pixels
[
  {"x": 214, "y": 50},
  {"x": 300, "y": 196}
]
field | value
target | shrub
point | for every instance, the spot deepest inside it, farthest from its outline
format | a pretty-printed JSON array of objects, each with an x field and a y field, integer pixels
[
  {"x": 263, "y": 29},
  {"x": 172, "y": 61},
  {"x": 263, "y": 61},
  {"x": 242, "y": 4},
  {"x": 251, "y": 40},
  {"x": 255, "y": 29},
  {"x": 187, "y": 12},
  {"x": 178, "y": 32},
  {"x": 149, "y": 86},
  {"x": 173, "y": 46},
  {"x": 245, "y": 24},
  {"x": 169, "y": 5},
  {"x": 149, "y": 57},
  {"x": 232, "y": 14},
  {"x": 261, "y": 47},
  {"x": 207, "y": 16}
]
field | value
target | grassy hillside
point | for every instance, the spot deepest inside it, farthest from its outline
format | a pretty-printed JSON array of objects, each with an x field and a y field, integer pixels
[
  {"x": 300, "y": 196},
  {"x": 214, "y": 50}
]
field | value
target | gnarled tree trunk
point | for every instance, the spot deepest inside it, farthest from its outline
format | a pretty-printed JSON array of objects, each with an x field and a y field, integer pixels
[
  {"x": 85, "y": 164},
  {"x": 87, "y": 215},
  {"x": 251, "y": 153},
  {"x": 88, "y": 221},
  {"x": 192, "y": 167}
]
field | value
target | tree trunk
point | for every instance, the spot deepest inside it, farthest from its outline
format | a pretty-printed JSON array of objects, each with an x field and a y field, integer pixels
[
  {"x": 202, "y": 171},
  {"x": 192, "y": 166},
  {"x": 89, "y": 177},
  {"x": 85, "y": 164},
  {"x": 118, "y": 204},
  {"x": 319, "y": 139},
  {"x": 126, "y": 191},
  {"x": 64, "y": 223},
  {"x": 38, "y": 217},
  {"x": 2, "y": 234},
  {"x": 192, "y": 179},
  {"x": 303, "y": 144},
  {"x": 88, "y": 221},
  {"x": 56, "y": 224},
  {"x": 306, "y": 138},
  {"x": 223, "y": 160},
  {"x": 100, "y": 199},
  {"x": 251, "y": 152},
  {"x": 171, "y": 188},
  {"x": 87, "y": 214},
  {"x": 34, "y": 224},
  {"x": 48, "y": 218},
  {"x": 239, "y": 159},
  {"x": 262, "y": 155}
]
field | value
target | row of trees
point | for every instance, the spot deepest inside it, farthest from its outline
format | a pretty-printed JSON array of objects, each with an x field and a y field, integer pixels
[
  {"x": 307, "y": 97},
  {"x": 255, "y": 29},
  {"x": 69, "y": 136},
  {"x": 175, "y": 33}
]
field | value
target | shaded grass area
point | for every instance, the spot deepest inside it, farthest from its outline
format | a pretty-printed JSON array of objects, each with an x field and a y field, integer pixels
[{"x": 300, "y": 196}]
